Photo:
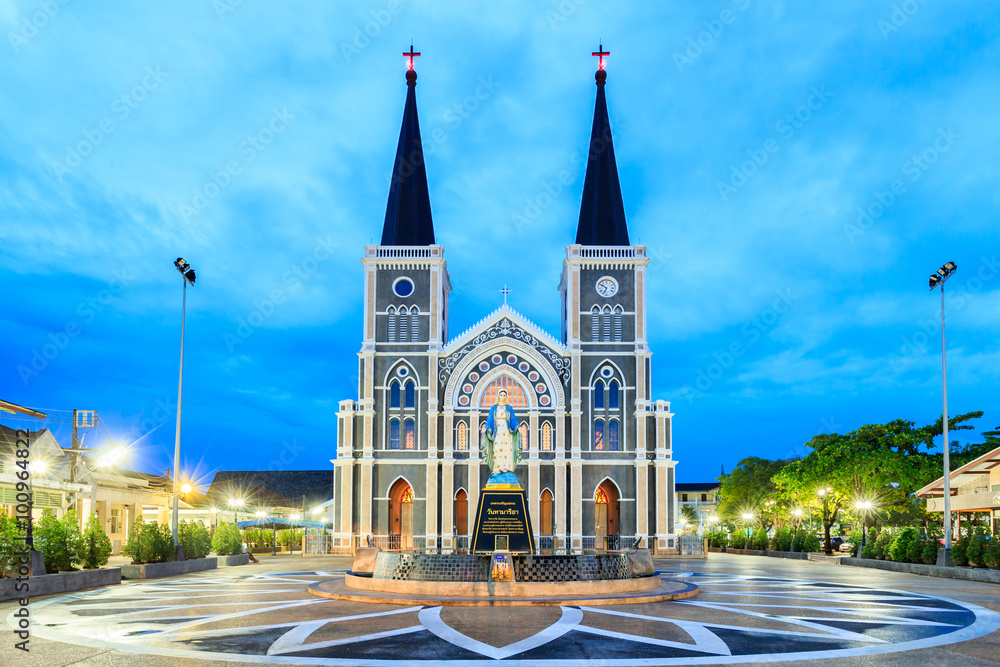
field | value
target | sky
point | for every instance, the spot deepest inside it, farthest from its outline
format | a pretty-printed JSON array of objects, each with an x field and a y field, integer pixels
[{"x": 796, "y": 170}]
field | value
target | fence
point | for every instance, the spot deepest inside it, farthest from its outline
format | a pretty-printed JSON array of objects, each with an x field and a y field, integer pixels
[{"x": 690, "y": 545}]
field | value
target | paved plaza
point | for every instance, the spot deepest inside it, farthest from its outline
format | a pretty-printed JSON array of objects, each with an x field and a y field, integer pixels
[{"x": 750, "y": 609}]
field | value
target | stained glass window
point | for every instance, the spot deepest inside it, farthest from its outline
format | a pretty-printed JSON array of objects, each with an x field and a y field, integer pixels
[
  {"x": 394, "y": 395},
  {"x": 461, "y": 434},
  {"x": 409, "y": 435},
  {"x": 524, "y": 435},
  {"x": 600, "y": 497},
  {"x": 547, "y": 437},
  {"x": 410, "y": 395},
  {"x": 516, "y": 398},
  {"x": 613, "y": 435},
  {"x": 407, "y": 496},
  {"x": 613, "y": 395},
  {"x": 599, "y": 434},
  {"x": 394, "y": 434},
  {"x": 599, "y": 394}
]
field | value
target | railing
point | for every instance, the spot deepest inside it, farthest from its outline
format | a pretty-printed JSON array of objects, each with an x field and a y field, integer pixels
[
  {"x": 546, "y": 543},
  {"x": 607, "y": 252},
  {"x": 462, "y": 542},
  {"x": 691, "y": 545},
  {"x": 399, "y": 542},
  {"x": 401, "y": 252}
]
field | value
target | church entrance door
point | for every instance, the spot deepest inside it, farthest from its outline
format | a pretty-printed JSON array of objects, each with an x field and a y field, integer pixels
[
  {"x": 462, "y": 513},
  {"x": 606, "y": 516},
  {"x": 401, "y": 515}
]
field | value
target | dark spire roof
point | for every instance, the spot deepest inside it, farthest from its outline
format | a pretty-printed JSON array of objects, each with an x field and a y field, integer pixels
[
  {"x": 602, "y": 214},
  {"x": 408, "y": 213}
]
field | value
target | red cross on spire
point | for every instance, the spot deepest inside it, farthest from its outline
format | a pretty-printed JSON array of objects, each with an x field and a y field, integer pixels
[
  {"x": 600, "y": 53},
  {"x": 411, "y": 54}
]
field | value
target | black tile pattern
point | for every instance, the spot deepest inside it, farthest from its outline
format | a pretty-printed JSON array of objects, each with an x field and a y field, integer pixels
[{"x": 470, "y": 568}]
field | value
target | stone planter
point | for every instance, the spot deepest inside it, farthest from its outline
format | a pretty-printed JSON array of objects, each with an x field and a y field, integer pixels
[
  {"x": 230, "y": 561},
  {"x": 63, "y": 582},
  {"x": 955, "y": 572},
  {"x": 173, "y": 568}
]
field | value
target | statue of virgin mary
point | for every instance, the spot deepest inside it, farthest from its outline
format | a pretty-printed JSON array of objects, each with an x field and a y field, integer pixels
[{"x": 501, "y": 443}]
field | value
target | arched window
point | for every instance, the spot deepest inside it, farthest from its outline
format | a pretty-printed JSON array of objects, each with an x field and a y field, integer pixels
[
  {"x": 394, "y": 394},
  {"x": 599, "y": 435},
  {"x": 595, "y": 324},
  {"x": 613, "y": 435},
  {"x": 407, "y": 496},
  {"x": 461, "y": 436},
  {"x": 601, "y": 496},
  {"x": 546, "y": 437},
  {"x": 409, "y": 435},
  {"x": 516, "y": 398},
  {"x": 403, "y": 325},
  {"x": 391, "y": 324},
  {"x": 599, "y": 395},
  {"x": 523, "y": 428},
  {"x": 414, "y": 324},
  {"x": 617, "y": 333},
  {"x": 393, "y": 434},
  {"x": 545, "y": 507},
  {"x": 410, "y": 395},
  {"x": 613, "y": 395},
  {"x": 606, "y": 324}
]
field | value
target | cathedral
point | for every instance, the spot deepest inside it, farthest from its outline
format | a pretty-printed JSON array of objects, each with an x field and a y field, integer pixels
[{"x": 597, "y": 462}]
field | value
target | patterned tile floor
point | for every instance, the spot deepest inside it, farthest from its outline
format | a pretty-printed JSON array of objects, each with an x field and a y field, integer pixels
[{"x": 750, "y": 610}]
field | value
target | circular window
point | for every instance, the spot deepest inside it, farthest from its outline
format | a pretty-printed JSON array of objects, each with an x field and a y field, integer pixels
[
  {"x": 607, "y": 372},
  {"x": 533, "y": 376},
  {"x": 523, "y": 366},
  {"x": 402, "y": 371},
  {"x": 485, "y": 366},
  {"x": 467, "y": 388},
  {"x": 497, "y": 359},
  {"x": 540, "y": 388},
  {"x": 464, "y": 400},
  {"x": 544, "y": 400},
  {"x": 511, "y": 359},
  {"x": 402, "y": 287},
  {"x": 473, "y": 376}
]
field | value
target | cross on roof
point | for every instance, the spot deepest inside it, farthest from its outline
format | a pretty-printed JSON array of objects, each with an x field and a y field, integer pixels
[
  {"x": 411, "y": 54},
  {"x": 505, "y": 292},
  {"x": 600, "y": 53}
]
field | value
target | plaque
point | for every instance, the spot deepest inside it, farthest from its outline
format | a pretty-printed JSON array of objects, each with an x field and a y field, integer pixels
[{"x": 503, "y": 516}]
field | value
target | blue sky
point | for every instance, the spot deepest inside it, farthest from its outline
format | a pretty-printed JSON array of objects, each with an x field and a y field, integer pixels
[{"x": 797, "y": 170}]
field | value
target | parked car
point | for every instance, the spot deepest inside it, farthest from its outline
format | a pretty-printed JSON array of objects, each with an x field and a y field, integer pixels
[
  {"x": 835, "y": 542},
  {"x": 846, "y": 547}
]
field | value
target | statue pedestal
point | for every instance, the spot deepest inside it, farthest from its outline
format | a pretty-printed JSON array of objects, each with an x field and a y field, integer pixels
[{"x": 502, "y": 522}]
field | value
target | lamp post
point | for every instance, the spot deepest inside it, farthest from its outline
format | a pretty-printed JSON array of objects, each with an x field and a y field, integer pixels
[
  {"x": 215, "y": 519},
  {"x": 823, "y": 493},
  {"x": 797, "y": 513},
  {"x": 747, "y": 518},
  {"x": 234, "y": 503},
  {"x": 864, "y": 507},
  {"x": 939, "y": 278},
  {"x": 187, "y": 273}
]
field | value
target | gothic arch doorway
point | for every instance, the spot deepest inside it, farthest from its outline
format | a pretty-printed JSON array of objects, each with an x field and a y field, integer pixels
[
  {"x": 545, "y": 509},
  {"x": 462, "y": 512},
  {"x": 401, "y": 515},
  {"x": 606, "y": 516}
]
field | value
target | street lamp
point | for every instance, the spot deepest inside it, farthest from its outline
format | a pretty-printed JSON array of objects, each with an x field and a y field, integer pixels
[
  {"x": 234, "y": 503},
  {"x": 864, "y": 507},
  {"x": 939, "y": 278},
  {"x": 822, "y": 493},
  {"x": 187, "y": 273},
  {"x": 215, "y": 520}
]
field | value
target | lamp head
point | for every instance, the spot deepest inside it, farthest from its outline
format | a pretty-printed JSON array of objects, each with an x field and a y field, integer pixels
[{"x": 186, "y": 488}]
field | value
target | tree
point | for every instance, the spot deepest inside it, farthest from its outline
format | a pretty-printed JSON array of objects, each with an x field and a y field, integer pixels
[
  {"x": 226, "y": 541},
  {"x": 689, "y": 513},
  {"x": 58, "y": 540},
  {"x": 194, "y": 537},
  {"x": 95, "y": 546},
  {"x": 748, "y": 487},
  {"x": 11, "y": 545}
]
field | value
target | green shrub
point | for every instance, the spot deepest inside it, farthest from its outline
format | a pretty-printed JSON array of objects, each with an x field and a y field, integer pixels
[
  {"x": 782, "y": 540},
  {"x": 958, "y": 555},
  {"x": 11, "y": 545},
  {"x": 738, "y": 540},
  {"x": 882, "y": 544},
  {"x": 58, "y": 540},
  {"x": 930, "y": 552},
  {"x": 149, "y": 543},
  {"x": 194, "y": 537},
  {"x": 915, "y": 551},
  {"x": 991, "y": 556},
  {"x": 974, "y": 552},
  {"x": 759, "y": 540},
  {"x": 227, "y": 541},
  {"x": 95, "y": 546},
  {"x": 900, "y": 546},
  {"x": 810, "y": 543},
  {"x": 869, "y": 550},
  {"x": 854, "y": 539},
  {"x": 293, "y": 538}
]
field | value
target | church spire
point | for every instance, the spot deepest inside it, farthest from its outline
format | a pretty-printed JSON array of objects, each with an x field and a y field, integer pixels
[
  {"x": 408, "y": 213},
  {"x": 602, "y": 214}
]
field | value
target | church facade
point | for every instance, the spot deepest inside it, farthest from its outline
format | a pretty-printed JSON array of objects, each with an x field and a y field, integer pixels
[{"x": 598, "y": 463}]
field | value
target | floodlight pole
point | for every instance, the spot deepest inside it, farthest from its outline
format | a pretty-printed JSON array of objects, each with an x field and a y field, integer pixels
[
  {"x": 947, "y": 446},
  {"x": 177, "y": 436}
]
